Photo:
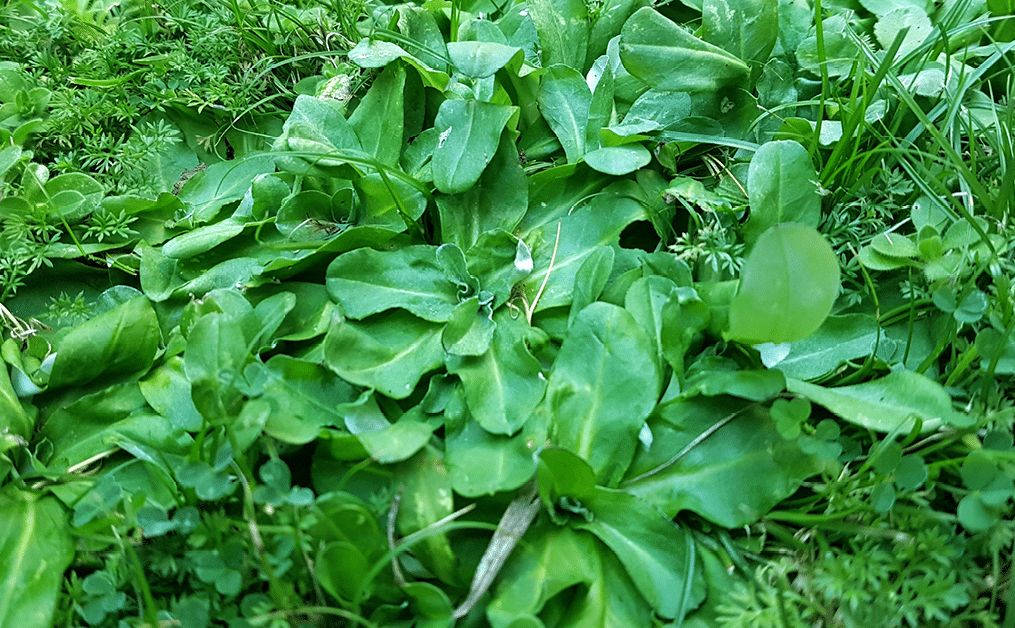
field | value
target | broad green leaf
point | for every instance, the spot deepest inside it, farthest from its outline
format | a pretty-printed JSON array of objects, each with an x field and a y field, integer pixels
[
  {"x": 838, "y": 55},
  {"x": 645, "y": 300},
  {"x": 554, "y": 559},
  {"x": 504, "y": 385},
  {"x": 481, "y": 463},
  {"x": 603, "y": 386},
  {"x": 684, "y": 315},
  {"x": 586, "y": 229},
  {"x": 379, "y": 207},
  {"x": 600, "y": 80},
  {"x": 470, "y": 329},
  {"x": 13, "y": 417},
  {"x": 610, "y": 17},
  {"x": 563, "y": 27},
  {"x": 747, "y": 29},
  {"x": 500, "y": 261},
  {"x": 426, "y": 499},
  {"x": 910, "y": 18},
  {"x": 37, "y": 546},
  {"x": 398, "y": 441},
  {"x": 787, "y": 286},
  {"x": 303, "y": 396},
  {"x": 653, "y": 550},
  {"x": 669, "y": 58},
  {"x": 167, "y": 390},
  {"x": 498, "y": 200},
  {"x": 120, "y": 342},
  {"x": 389, "y": 352},
  {"x": 469, "y": 136},
  {"x": 366, "y": 282},
  {"x": 893, "y": 402},
  {"x": 562, "y": 474},
  {"x": 202, "y": 239},
  {"x": 781, "y": 188},
  {"x": 214, "y": 360},
  {"x": 590, "y": 279},
  {"x": 565, "y": 101},
  {"x": 619, "y": 160},
  {"x": 227, "y": 181},
  {"x": 551, "y": 561},
  {"x": 654, "y": 110},
  {"x": 480, "y": 59},
  {"x": 712, "y": 376},
  {"x": 840, "y": 338},
  {"x": 732, "y": 477},
  {"x": 94, "y": 423},
  {"x": 378, "y": 120}
]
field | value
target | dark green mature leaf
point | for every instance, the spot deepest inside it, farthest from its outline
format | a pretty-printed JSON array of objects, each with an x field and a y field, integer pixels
[
  {"x": 389, "y": 352},
  {"x": 470, "y": 329},
  {"x": 227, "y": 181},
  {"x": 366, "y": 282},
  {"x": 669, "y": 58},
  {"x": 13, "y": 417},
  {"x": 565, "y": 101},
  {"x": 379, "y": 121},
  {"x": 619, "y": 160},
  {"x": 590, "y": 280},
  {"x": 731, "y": 477},
  {"x": 839, "y": 338},
  {"x": 781, "y": 187},
  {"x": 551, "y": 561},
  {"x": 426, "y": 499},
  {"x": 654, "y": 551},
  {"x": 94, "y": 423},
  {"x": 469, "y": 136},
  {"x": 498, "y": 200},
  {"x": 891, "y": 403},
  {"x": 748, "y": 30},
  {"x": 563, "y": 29},
  {"x": 481, "y": 463},
  {"x": 480, "y": 59},
  {"x": 504, "y": 385},
  {"x": 603, "y": 386},
  {"x": 586, "y": 229},
  {"x": 37, "y": 546},
  {"x": 788, "y": 286},
  {"x": 120, "y": 342},
  {"x": 303, "y": 397}
]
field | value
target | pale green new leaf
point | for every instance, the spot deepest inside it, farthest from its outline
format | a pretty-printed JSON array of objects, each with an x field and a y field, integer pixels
[{"x": 787, "y": 286}]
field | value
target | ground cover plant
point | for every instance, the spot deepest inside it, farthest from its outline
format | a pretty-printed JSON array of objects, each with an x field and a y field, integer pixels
[{"x": 542, "y": 313}]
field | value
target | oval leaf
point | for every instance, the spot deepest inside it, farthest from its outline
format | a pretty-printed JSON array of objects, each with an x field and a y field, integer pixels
[
  {"x": 669, "y": 58},
  {"x": 788, "y": 286}
]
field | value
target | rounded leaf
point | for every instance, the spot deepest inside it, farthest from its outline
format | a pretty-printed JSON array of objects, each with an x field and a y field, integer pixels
[{"x": 788, "y": 285}]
